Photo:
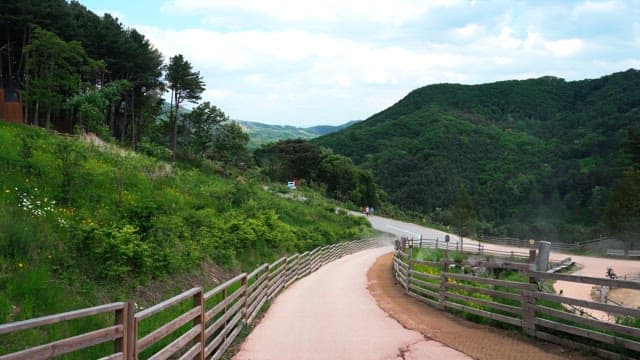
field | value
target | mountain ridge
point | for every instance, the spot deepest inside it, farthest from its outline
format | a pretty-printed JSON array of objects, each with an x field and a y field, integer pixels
[{"x": 540, "y": 157}]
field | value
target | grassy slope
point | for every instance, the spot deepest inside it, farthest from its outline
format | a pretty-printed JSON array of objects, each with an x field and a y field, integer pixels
[{"x": 81, "y": 224}]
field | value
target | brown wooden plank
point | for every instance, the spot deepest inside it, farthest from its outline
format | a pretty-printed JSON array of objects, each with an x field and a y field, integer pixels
[
  {"x": 232, "y": 311},
  {"x": 494, "y": 305},
  {"x": 218, "y": 289},
  {"x": 423, "y": 299},
  {"x": 219, "y": 339},
  {"x": 429, "y": 285},
  {"x": 223, "y": 304},
  {"x": 167, "y": 328},
  {"x": 226, "y": 344},
  {"x": 593, "y": 335},
  {"x": 277, "y": 263},
  {"x": 67, "y": 345},
  {"x": 499, "y": 264},
  {"x": 192, "y": 352},
  {"x": 589, "y": 304},
  {"x": 495, "y": 293},
  {"x": 177, "y": 344},
  {"x": 402, "y": 282},
  {"x": 505, "y": 283},
  {"x": 437, "y": 264},
  {"x": 255, "y": 309},
  {"x": 425, "y": 276},
  {"x": 627, "y": 284},
  {"x": 56, "y": 318},
  {"x": 423, "y": 291},
  {"x": 257, "y": 293},
  {"x": 167, "y": 303},
  {"x": 487, "y": 314},
  {"x": 622, "y": 329},
  {"x": 255, "y": 272},
  {"x": 116, "y": 356}
]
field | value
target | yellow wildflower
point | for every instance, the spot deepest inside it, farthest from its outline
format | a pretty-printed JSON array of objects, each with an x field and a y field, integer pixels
[{"x": 20, "y": 264}]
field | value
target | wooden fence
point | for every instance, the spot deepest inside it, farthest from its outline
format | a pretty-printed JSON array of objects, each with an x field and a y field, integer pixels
[
  {"x": 522, "y": 304},
  {"x": 205, "y": 323},
  {"x": 455, "y": 245}
]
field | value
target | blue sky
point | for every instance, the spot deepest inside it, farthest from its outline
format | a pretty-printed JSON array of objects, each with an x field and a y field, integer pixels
[{"x": 311, "y": 62}]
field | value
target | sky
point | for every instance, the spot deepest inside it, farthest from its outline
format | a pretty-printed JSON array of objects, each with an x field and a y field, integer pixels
[{"x": 327, "y": 62}]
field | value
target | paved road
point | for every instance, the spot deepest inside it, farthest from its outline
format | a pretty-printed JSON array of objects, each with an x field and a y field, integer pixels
[{"x": 331, "y": 315}]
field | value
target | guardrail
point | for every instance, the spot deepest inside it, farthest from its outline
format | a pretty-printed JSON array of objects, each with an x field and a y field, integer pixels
[
  {"x": 523, "y": 304},
  {"x": 203, "y": 324}
]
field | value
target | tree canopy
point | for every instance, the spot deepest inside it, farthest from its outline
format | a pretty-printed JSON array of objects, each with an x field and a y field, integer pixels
[{"x": 540, "y": 158}]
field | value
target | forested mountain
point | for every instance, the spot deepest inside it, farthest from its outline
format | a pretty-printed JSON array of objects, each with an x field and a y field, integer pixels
[
  {"x": 261, "y": 134},
  {"x": 540, "y": 158}
]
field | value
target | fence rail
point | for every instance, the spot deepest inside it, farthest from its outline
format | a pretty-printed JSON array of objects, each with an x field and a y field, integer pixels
[
  {"x": 207, "y": 327},
  {"x": 465, "y": 247},
  {"x": 525, "y": 305}
]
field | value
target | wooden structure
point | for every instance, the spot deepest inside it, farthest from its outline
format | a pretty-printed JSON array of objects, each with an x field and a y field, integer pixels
[
  {"x": 525, "y": 305},
  {"x": 203, "y": 324},
  {"x": 11, "y": 106}
]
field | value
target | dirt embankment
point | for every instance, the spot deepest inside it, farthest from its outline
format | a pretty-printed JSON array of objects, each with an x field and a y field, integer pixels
[{"x": 475, "y": 340}]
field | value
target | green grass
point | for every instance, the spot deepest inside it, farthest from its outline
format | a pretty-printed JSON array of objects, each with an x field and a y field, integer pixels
[{"x": 82, "y": 225}]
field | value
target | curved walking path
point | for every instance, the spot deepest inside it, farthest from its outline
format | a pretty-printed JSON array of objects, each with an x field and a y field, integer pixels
[
  {"x": 331, "y": 315},
  {"x": 476, "y": 340}
]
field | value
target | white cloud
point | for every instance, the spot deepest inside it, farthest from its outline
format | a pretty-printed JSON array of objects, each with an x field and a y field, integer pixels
[
  {"x": 565, "y": 47},
  {"x": 597, "y": 7},
  {"x": 311, "y": 62},
  {"x": 394, "y": 12},
  {"x": 469, "y": 31}
]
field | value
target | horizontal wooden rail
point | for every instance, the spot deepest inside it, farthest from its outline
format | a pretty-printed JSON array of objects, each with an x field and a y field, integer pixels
[{"x": 527, "y": 306}]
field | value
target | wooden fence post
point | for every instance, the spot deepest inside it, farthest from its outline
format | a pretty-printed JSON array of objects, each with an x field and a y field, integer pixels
[
  {"x": 245, "y": 295},
  {"x": 125, "y": 318},
  {"x": 528, "y": 304},
  {"x": 409, "y": 267},
  {"x": 443, "y": 281},
  {"x": 268, "y": 282},
  {"x": 198, "y": 301}
]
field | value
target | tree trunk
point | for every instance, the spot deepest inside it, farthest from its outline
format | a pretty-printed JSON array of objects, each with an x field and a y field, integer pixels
[
  {"x": 174, "y": 127},
  {"x": 112, "y": 120},
  {"x": 25, "y": 104},
  {"x": 9, "y": 54},
  {"x": 48, "y": 117},
  {"x": 36, "y": 119},
  {"x": 133, "y": 119},
  {"x": 22, "y": 54}
]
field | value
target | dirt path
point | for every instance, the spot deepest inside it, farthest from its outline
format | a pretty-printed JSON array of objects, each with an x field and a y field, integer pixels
[
  {"x": 477, "y": 341},
  {"x": 331, "y": 315}
]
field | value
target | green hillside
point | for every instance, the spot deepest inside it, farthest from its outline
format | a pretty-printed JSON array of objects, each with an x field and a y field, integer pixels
[
  {"x": 261, "y": 134},
  {"x": 540, "y": 158},
  {"x": 84, "y": 222}
]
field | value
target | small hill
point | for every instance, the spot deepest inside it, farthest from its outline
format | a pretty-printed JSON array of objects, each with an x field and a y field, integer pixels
[
  {"x": 261, "y": 134},
  {"x": 539, "y": 157}
]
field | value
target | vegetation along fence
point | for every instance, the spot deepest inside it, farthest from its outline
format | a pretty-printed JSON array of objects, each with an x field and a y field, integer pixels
[
  {"x": 511, "y": 294},
  {"x": 201, "y": 324}
]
